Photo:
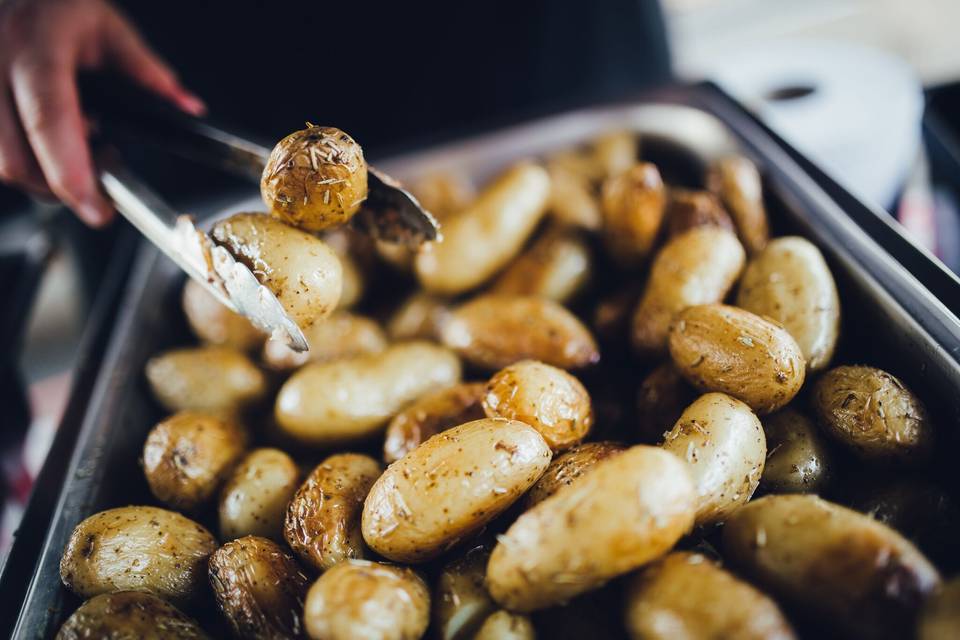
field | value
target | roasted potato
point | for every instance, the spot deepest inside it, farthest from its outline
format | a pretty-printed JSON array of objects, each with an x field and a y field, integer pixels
[
  {"x": 342, "y": 335},
  {"x": 555, "y": 267},
  {"x": 691, "y": 209},
  {"x": 798, "y": 460},
  {"x": 254, "y": 499},
  {"x": 444, "y": 193},
  {"x": 450, "y": 486},
  {"x": 460, "y": 600},
  {"x": 661, "y": 398},
  {"x": 420, "y": 317},
  {"x": 129, "y": 615},
  {"x": 137, "y": 549},
  {"x": 215, "y": 324},
  {"x": 503, "y": 625},
  {"x": 214, "y": 379},
  {"x": 348, "y": 245},
  {"x": 940, "y": 617},
  {"x": 369, "y": 391},
  {"x": 315, "y": 178},
  {"x": 615, "y": 152},
  {"x": 569, "y": 466},
  {"x": 259, "y": 589},
  {"x": 722, "y": 348},
  {"x": 632, "y": 204},
  {"x": 572, "y": 198},
  {"x": 737, "y": 181}
]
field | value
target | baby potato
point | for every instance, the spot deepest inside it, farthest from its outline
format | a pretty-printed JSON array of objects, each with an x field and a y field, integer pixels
[
  {"x": 503, "y": 625},
  {"x": 717, "y": 347},
  {"x": 431, "y": 414},
  {"x": 696, "y": 267},
  {"x": 129, "y": 615},
  {"x": 630, "y": 509},
  {"x": 322, "y": 525},
  {"x": 690, "y": 209},
  {"x": 632, "y": 203},
  {"x": 215, "y": 324},
  {"x": 259, "y": 588},
  {"x": 797, "y": 460},
  {"x": 361, "y": 599},
  {"x": 483, "y": 238},
  {"x": 572, "y": 199},
  {"x": 137, "y": 549},
  {"x": 686, "y": 595},
  {"x": 569, "y": 466},
  {"x": 837, "y": 564},
  {"x": 789, "y": 281},
  {"x": 214, "y": 379},
  {"x": 369, "y": 390},
  {"x": 556, "y": 267},
  {"x": 444, "y": 193},
  {"x": 342, "y": 335},
  {"x": 255, "y": 496},
  {"x": 315, "y": 178},
  {"x": 615, "y": 152},
  {"x": 872, "y": 413},
  {"x": 737, "y": 181},
  {"x": 548, "y": 399},
  {"x": 940, "y": 617},
  {"x": 460, "y": 601},
  {"x": 723, "y": 442},
  {"x": 492, "y": 332},
  {"x": 420, "y": 317},
  {"x": 188, "y": 456},
  {"x": 451, "y": 486},
  {"x": 302, "y": 272},
  {"x": 661, "y": 398}
]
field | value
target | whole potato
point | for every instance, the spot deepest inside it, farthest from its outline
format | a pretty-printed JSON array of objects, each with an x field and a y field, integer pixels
[
  {"x": 189, "y": 455},
  {"x": 850, "y": 571},
  {"x": 873, "y": 414},
  {"x": 315, "y": 178},
  {"x": 451, "y": 486},
  {"x": 213, "y": 323},
  {"x": 137, "y": 549},
  {"x": 632, "y": 204},
  {"x": 569, "y": 466},
  {"x": 572, "y": 198},
  {"x": 342, "y": 335},
  {"x": 690, "y": 209},
  {"x": 548, "y": 399},
  {"x": 420, "y": 317},
  {"x": 259, "y": 589},
  {"x": 460, "y": 601},
  {"x": 789, "y": 281},
  {"x": 369, "y": 391},
  {"x": 737, "y": 181},
  {"x": 723, "y": 442},
  {"x": 492, "y": 332},
  {"x": 940, "y": 618},
  {"x": 696, "y": 267},
  {"x": 214, "y": 379},
  {"x": 686, "y": 595},
  {"x": 483, "y": 238},
  {"x": 722, "y": 348},
  {"x": 302, "y": 272},
  {"x": 661, "y": 398},
  {"x": 254, "y": 499},
  {"x": 322, "y": 525},
  {"x": 797, "y": 460},
  {"x": 431, "y": 414},
  {"x": 556, "y": 267},
  {"x": 503, "y": 625},
  {"x": 129, "y": 615},
  {"x": 361, "y": 599},
  {"x": 630, "y": 509}
]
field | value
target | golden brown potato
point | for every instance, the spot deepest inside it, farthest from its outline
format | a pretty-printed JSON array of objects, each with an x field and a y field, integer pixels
[
  {"x": 632, "y": 206},
  {"x": 215, "y": 379},
  {"x": 686, "y": 595},
  {"x": 503, "y": 625},
  {"x": 369, "y": 391},
  {"x": 852, "y": 572},
  {"x": 697, "y": 267},
  {"x": 444, "y": 193},
  {"x": 451, "y": 486},
  {"x": 254, "y": 499},
  {"x": 431, "y": 414},
  {"x": 940, "y": 618},
  {"x": 797, "y": 460},
  {"x": 259, "y": 589},
  {"x": 555, "y": 267},
  {"x": 661, "y": 398},
  {"x": 189, "y": 455},
  {"x": 737, "y": 181},
  {"x": 548, "y": 399},
  {"x": 569, "y": 466},
  {"x": 302, "y": 272},
  {"x": 492, "y": 332},
  {"x": 630, "y": 509},
  {"x": 873, "y": 414},
  {"x": 215, "y": 324},
  {"x": 361, "y": 599},
  {"x": 322, "y": 525},
  {"x": 129, "y": 615},
  {"x": 723, "y": 442},
  {"x": 137, "y": 549},
  {"x": 420, "y": 317},
  {"x": 572, "y": 198},
  {"x": 342, "y": 335},
  {"x": 315, "y": 178},
  {"x": 717, "y": 347},
  {"x": 690, "y": 209},
  {"x": 460, "y": 600},
  {"x": 615, "y": 152}
]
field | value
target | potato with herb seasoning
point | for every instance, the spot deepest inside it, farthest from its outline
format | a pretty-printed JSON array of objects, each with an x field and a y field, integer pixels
[
  {"x": 556, "y": 267},
  {"x": 431, "y": 414},
  {"x": 129, "y": 615},
  {"x": 212, "y": 379},
  {"x": 798, "y": 460},
  {"x": 213, "y": 323},
  {"x": 632, "y": 203},
  {"x": 690, "y": 209},
  {"x": 342, "y": 335},
  {"x": 736, "y": 180},
  {"x": 568, "y": 466},
  {"x": 254, "y": 499},
  {"x": 460, "y": 599}
]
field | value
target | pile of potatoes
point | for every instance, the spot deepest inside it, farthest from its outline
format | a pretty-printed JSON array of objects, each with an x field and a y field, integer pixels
[{"x": 551, "y": 424}]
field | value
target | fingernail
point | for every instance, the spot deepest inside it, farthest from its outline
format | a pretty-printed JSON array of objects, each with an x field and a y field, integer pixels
[
  {"x": 193, "y": 104},
  {"x": 93, "y": 215}
]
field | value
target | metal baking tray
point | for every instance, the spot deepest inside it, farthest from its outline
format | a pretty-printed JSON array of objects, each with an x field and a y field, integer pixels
[{"x": 890, "y": 319}]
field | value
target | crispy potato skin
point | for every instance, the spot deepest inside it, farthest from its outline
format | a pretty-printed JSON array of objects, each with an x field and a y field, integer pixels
[
  {"x": 691, "y": 209},
  {"x": 315, "y": 178},
  {"x": 661, "y": 398},
  {"x": 798, "y": 460},
  {"x": 189, "y": 455},
  {"x": 419, "y": 317},
  {"x": 137, "y": 549},
  {"x": 630, "y": 509},
  {"x": 370, "y": 390},
  {"x": 129, "y": 615},
  {"x": 873, "y": 414},
  {"x": 460, "y": 600},
  {"x": 721, "y": 348},
  {"x": 632, "y": 203},
  {"x": 492, "y": 332},
  {"x": 214, "y": 324},
  {"x": 322, "y": 524},
  {"x": 556, "y": 267},
  {"x": 503, "y": 625},
  {"x": 569, "y": 466},
  {"x": 790, "y": 282},
  {"x": 254, "y": 499},
  {"x": 697, "y": 267},
  {"x": 737, "y": 181},
  {"x": 431, "y": 414},
  {"x": 940, "y": 618},
  {"x": 342, "y": 335},
  {"x": 686, "y": 595},
  {"x": 214, "y": 379},
  {"x": 361, "y": 599},
  {"x": 832, "y": 561},
  {"x": 450, "y": 486},
  {"x": 259, "y": 589}
]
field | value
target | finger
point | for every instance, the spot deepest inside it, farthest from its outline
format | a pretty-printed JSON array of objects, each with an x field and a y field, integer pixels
[{"x": 18, "y": 167}]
